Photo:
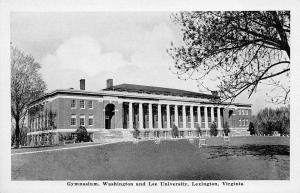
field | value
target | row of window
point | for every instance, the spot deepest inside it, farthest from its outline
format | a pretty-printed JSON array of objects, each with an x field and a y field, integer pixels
[
  {"x": 82, "y": 120},
  {"x": 243, "y": 111},
  {"x": 81, "y": 104},
  {"x": 243, "y": 122}
]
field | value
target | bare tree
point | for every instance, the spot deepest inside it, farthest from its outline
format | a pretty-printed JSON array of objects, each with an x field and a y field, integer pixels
[
  {"x": 240, "y": 50},
  {"x": 26, "y": 85}
]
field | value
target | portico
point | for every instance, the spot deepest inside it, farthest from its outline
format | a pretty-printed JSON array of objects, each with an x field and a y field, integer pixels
[{"x": 159, "y": 115}]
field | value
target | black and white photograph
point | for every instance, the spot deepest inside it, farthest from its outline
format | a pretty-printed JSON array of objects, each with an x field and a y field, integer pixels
[{"x": 139, "y": 98}]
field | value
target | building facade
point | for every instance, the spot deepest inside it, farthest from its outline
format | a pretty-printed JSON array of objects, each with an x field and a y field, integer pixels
[{"x": 114, "y": 113}]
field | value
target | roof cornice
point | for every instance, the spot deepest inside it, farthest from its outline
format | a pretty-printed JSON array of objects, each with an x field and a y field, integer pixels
[{"x": 124, "y": 94}]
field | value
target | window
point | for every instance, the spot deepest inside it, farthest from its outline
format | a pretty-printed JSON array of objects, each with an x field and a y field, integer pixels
[
  {"x": 90, "y": 104},
  {"x": 246, "y": 112},
  {"x": 73, "y": 120},
  {"x": 240, "y": 120},
  {"x": 81, "y": 104},
  {"x": 180, "y": 119},
  {"x": 146, "y": 134},
  {"x": 188, "y": 118},
  {"x": 239, "y": 111},
  {"x": 165, "y": 133},
  {"x": 181, "y": 133},
  {"x": 91, "y": 120},
  {"x": 189, "y": 133},
  {"x": 156, "y": 134},
  {"x": 73, "y": 103},
  {"x": 246, "y": 122},
  {"x": 81, "y": 120}
]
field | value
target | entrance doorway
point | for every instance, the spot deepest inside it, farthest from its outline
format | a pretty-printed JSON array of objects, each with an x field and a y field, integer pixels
[{"x": 109, "y": 116}]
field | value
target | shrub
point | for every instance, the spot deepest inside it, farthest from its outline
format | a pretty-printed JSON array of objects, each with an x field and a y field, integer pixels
[
  {"x": 213, "y": 129},
  {"x": 251, "y": 128},
  {"x": 136, "y": 133},
  {"x": 198, "y": 130},
  {"x": 226, "y": 129},
  {"x": 82, "y": 134},
  {"x": 174, "y": 131}
]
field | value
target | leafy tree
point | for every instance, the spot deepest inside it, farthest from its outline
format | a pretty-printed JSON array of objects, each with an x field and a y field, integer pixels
[
  {"x": 213, "y": 129},
  {"x": 82, "y": 134},
  {"x": 226, "y": 129},
  {"x": 23, "y": 136},
  {"x": 251, "y": 128},
  {"x": 175, "y": 132},
  {"x": 26, "y": 85},
  {"x": 282, "y": 117},
  {"x": 265, "y": 121},
  {"x": 269, "y": 120},
  {"x": 239, "y": 50}
]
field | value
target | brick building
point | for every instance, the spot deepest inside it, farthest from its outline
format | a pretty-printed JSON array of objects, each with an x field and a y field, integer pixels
[{"x": 115, "y": 111}]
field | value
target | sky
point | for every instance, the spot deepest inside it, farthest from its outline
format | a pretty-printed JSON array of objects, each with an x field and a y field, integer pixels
[{"x": 129, "y": 47}]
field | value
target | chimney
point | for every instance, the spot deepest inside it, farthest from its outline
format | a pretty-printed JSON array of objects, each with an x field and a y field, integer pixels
[
  {"x": 109, "y": 83},
  {"x": 82, "y": 84}
]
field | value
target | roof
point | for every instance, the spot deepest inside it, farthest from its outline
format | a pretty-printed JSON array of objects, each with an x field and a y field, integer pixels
[
  {"x": 159, "y": 91},
  {"x": 132, "y": 88}
]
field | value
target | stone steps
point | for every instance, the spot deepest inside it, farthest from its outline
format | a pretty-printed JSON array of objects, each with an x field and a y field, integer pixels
[{"x": 110, "y": 135}]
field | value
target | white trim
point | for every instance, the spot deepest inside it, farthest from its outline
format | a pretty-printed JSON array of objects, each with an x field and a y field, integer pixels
[
  {"x": 238, "y": 107},
  {"x": 58, "y": 96},
  {"x": 113, "y": 94},
  {"x": 155, "y": 96},
  {"x": 165, "y": 102},
  {"x": 157, "y": 99}
]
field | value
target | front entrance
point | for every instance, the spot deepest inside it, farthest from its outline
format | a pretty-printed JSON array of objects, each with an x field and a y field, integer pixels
[{"x": 109, "y": 116}]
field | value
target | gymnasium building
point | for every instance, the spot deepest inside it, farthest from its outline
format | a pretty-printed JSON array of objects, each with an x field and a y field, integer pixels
[{"x": 114, "y": 112}]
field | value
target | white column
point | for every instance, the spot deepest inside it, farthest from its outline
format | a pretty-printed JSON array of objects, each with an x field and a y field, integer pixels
[
  {"x": 150, "y": 116},
  {"x": 212, "y": 114},
  {"x": 199, "y": 115},
  {"x": 46, "y": 119},
  {"x": 219, "y": 117},
  {"x": 39, "y": 121},
  {"x": 159, "y": 116},
  {"x": 176, "y": 115},
  {"x": 206, "y": 117},
  {"x": 184, "y": 117},
  {"x": 192, "y": 116},
  {"x": 168, "y": 116},
  {"x": 141, "y": 121},
  {"x": 130, "y": 116}
]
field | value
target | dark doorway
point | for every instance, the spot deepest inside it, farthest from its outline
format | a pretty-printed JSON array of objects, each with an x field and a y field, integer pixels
[{"x": 109, "y": 116}]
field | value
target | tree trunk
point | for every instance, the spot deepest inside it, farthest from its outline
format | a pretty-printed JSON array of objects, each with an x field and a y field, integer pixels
[{"x": 17, "y": 133}]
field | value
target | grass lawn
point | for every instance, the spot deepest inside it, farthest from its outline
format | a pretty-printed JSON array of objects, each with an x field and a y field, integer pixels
[{"x": 244, "y": 158}]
